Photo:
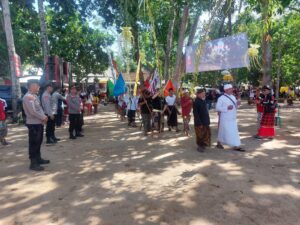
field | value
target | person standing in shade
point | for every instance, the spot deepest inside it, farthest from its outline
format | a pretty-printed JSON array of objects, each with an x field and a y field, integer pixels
[
  {"x": 132, "y": 106},
  {"x": 145, "y": 103},
  {"x": 47, "y": 104},
  {"x": 96, "y": 102},
  {"x": 171, "y": 110},
  {"x": 186, "y": 107},
  {"x": 74, "y": 105},
  {"x": 201, "y": 121},
  {"x": 158, "y": 103},
  {"x": 35, "y": 120},
  {"x": 267, "y": 123},
  {"x": 228, "y": 133},
  {"x": 259, "y": 109},
  {"x": 3, "y": 125},
  {"x": 57, "y": 100}
]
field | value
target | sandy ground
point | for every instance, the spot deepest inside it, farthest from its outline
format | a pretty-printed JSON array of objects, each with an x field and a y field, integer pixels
[{"x": 115, "y": 176}]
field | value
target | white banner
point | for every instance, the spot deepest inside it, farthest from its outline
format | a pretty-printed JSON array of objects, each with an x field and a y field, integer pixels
[{"x": 220, "y": 54}]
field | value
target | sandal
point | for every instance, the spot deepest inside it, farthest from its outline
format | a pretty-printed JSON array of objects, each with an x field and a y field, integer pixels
[
  {"x": 219, "y": 146},
  {"x": 239, "y": 149}
]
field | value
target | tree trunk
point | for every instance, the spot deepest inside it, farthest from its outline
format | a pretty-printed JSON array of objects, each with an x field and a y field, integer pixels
[
  {"x": 266, "y": 60},
  {"x": 16, "y": 91},
  {"x": 169, "y": 46},
  {"x": 180, "y": 46},
  {"x": 230, "y": 12},
  {"x": 221, "y": 26},
  {"x": 240, "y": 7},
  {"x": 266, "y": 45},
  {"x": 135, "y": 34},
  {"x": 44, "y": 37},
  {"x": 193, "y": 30},
  {"x": 278, "y": 68}
]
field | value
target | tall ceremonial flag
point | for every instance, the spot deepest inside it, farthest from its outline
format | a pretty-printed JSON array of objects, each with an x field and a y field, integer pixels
[
  {"x": 137, "y": 78},
  {"x": 115, "y": 66},
  {"x": 119, "y": 86},
  {"x": 155, "y": 81},
  {"x": 167, "y": 87}
]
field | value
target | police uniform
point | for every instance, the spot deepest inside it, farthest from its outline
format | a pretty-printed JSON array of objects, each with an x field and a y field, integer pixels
[
  {"x": 34, "y": 121},
  {"x": 47, "y": 103}
]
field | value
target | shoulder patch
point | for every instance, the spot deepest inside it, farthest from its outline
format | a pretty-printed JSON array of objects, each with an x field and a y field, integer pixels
[{"x": 30, "y": 97}]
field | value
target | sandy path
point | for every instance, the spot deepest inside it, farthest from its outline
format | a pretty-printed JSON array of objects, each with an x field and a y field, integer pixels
[{"x": 115, "y": 176}]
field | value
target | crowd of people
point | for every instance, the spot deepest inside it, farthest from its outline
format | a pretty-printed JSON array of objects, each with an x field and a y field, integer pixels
[
  {"x": 54, "y": 106},
  {"x": 154, "y": 107}
]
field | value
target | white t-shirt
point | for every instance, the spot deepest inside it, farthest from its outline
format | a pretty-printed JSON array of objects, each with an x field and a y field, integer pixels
[
  {"x": 171, "y": 100},
  {"x": 5, "y": 104},
  {"x": 133, "y": 103}
]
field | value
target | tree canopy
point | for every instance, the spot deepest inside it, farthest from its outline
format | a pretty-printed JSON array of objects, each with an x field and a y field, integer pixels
[{"x": 155, "y": 27}]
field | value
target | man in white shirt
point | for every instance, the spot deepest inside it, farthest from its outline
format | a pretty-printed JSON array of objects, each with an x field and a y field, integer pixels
[
  {"x": 228, "y": 133},
  {"x": 132, "y": 105}
]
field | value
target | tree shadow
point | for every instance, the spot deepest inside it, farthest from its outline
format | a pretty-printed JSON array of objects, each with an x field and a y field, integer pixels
[{"x": 114, "y": 176}]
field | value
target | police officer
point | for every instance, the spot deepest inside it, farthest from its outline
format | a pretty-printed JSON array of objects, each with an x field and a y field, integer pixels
[
  {"x": 47, "y": 104},
  {"x": 35, "y": 120}
]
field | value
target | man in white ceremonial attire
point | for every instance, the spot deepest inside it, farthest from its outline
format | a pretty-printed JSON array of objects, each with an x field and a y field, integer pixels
[{"x": 228, "y": 133}]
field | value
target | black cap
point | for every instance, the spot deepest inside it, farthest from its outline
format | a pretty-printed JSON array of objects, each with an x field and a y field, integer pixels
[
  {"x": 48, "y": 84},
  {"x": 33, "y": 81},
  {"x": 266, "y": 87},
  {"x": 201, "y": 90}
]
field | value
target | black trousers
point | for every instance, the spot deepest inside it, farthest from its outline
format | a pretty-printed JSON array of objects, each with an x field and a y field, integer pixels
[
  {"x": 81, "y": 122},
  {"x": 50, "y": 128},
  {"x": 59, "y": 117},
  {"x": 75, "y": 123},
  {"x": 35, "y": 135},
  {"x": 131, "y": 116}
]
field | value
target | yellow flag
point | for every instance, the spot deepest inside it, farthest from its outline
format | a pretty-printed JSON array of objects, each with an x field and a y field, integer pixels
[{"x": 137, "y": 78}]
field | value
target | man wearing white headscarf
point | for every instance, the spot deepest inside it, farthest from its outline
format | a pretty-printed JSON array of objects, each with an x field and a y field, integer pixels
[{"x": 228, "y": 133}]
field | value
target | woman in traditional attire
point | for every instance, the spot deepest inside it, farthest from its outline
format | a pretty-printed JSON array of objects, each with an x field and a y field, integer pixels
[
  {"x": 186, "y": 107},
  {"x": 267, "y": 124},
  {"x": 171, "y": 110}
]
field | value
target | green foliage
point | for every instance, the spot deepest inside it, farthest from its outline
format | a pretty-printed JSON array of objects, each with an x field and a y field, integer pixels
[
  {"x": 69, "y": 34},
  {"x": 73, "y": 40},
  {"x": 25, "y": 26}
]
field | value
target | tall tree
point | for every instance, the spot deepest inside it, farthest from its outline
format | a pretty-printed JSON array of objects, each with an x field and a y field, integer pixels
[
  {"x": 44, "y": 36},
  {"x": 11, "y": 53},
  {"x": 183, "y": 26},
  {"x": 169, "y": 45}
]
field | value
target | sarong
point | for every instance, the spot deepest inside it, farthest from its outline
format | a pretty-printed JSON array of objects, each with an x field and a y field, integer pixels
[
  {"x": 172, "y": 116},
  {"x": 267, "y": 125},
  {"x": 186, "y": 121},
  {"x": 203, "y": 135}
]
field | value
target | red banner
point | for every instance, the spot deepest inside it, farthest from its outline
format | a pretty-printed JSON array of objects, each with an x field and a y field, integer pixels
[{"x": 17, "y": 64}]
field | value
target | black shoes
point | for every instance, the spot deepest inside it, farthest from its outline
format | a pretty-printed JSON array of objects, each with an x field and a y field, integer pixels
[
  {"x": 35, "y": 166},
  {"x": 51, "y": 141},
  {"x": 72, "y": 137},
  {"x": 43, "y": 161},
  {"x": 79, "y": 135},
  {"x": 56, "y": 139}
]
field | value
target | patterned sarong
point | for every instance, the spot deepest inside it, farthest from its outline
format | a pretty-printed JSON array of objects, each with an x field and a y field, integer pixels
[
  {"x": 203, "y": 135},
  {"x": 267, "y": 125}
]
